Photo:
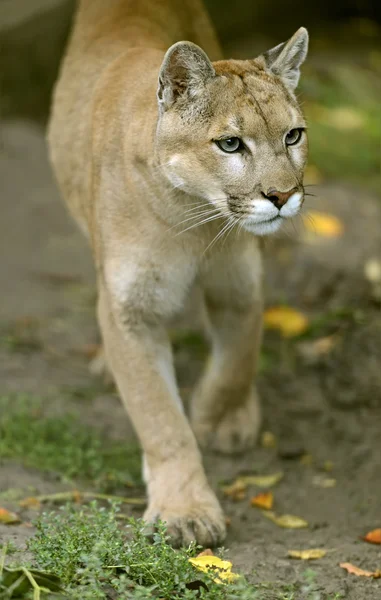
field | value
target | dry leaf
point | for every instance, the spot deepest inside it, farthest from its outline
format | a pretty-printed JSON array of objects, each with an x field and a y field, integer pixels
[
  {"x": 30, "y": 502},
  {"x": 286, "y": 521},
  {"x": 8, "y": 518},
  {"x": 313, "y": 350},
  {"x": 206, "y": 552},
  {"x": 264, "y": 500},
  {"x": 268, "y": 440},
  {"x": 215, "y": 565},
  {"x": 236, "y": 491},
  {"x": 264, "y": 481},
  {"x": 373, "y": 537},
  {"x": 287, "y": 320},
  {"x": 323, "y": 481},
  {"x": 360, "y": 572},
  {"x": 311, "y": 554},
  {"x": 323, "y": 224}
]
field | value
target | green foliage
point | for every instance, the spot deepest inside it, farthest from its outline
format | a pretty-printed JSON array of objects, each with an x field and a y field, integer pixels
[
  {"x": 96, "y": 558},
  {"x": 64, "y": 445}
]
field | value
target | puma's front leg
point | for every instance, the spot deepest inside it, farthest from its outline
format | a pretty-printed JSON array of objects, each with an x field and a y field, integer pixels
[
  {"x": 225, "y": 411},
  {"x": 139, "y": 354}
]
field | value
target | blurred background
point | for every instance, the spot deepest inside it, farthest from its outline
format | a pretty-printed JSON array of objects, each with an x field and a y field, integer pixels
[{"x": 320, "y": 368}]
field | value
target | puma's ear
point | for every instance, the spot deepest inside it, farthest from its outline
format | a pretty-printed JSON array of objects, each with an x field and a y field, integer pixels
[
  {"x": 185, "y": 68},
  {"x": 285, "y": 59}
]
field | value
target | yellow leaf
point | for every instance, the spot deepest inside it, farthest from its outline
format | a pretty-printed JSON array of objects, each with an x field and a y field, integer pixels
[
  {"x": 264, "y": 481},
  {"x": 287, "y": 320},
  {"x": 30, "y": 502},
  {"x": 286, "y": 521},
  {"x": 236, "y": 491},
  {"x": 264, "y": 500},
  {"x": 8, "y": 518},
  {"x": 311, "y": 554},
  {"x": 323, "y": 224},
  {"x": 212, "y": 564}
]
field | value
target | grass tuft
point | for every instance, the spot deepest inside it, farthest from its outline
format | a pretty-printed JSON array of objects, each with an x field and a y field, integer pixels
[{"x": 65, "y": 446}]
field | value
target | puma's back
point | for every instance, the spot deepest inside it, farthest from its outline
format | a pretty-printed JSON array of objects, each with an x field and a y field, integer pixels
[{"x": 102, "y": 32}]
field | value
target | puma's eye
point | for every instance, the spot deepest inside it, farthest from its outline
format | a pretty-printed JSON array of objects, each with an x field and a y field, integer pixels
[
  {"x": 230, "y": 144},
  {"x": 293, "y": 136}
]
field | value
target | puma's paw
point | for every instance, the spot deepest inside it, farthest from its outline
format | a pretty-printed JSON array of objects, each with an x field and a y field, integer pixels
[
  {"x": 235, "y": 431},
  {"x": 190, "y": 515}
]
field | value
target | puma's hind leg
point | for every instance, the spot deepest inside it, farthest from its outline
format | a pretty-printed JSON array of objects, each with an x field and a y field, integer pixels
[{"x": 225, "y": 411}]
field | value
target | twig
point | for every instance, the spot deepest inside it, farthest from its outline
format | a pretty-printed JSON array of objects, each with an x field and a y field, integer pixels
[{"x": 78, "y": 496}]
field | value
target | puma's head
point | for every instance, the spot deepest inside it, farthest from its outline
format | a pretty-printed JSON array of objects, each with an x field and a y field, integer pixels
[{"x": 231, "y": 132}]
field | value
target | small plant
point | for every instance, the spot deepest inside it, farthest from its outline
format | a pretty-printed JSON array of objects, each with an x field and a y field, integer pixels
[{"x": 96, "y": 558}]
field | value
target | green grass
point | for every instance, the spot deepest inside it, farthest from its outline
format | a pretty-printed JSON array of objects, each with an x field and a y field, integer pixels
[
  {"x": 64, "y": 445},
  {"x": 96, "y": 558},
  {"x": 86, "y": 554}
]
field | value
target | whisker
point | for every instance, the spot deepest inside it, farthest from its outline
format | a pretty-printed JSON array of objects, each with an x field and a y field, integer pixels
[
  {"x": 203, "y": 213},
  {"x": 217, "y": 237},
  {"x": 207, "y": 220}
]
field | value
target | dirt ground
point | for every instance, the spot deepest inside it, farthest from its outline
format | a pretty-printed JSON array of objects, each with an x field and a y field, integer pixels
[{"x": 324, "y": 404}]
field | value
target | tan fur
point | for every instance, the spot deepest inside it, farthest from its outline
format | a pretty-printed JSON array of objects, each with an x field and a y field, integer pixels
[{"x": 138, "y": 173}]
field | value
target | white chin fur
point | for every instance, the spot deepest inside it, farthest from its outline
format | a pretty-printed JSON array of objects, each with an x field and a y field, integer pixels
[
  {"x": 264, "y": 228},
  {"x": 260, "y": 221}
]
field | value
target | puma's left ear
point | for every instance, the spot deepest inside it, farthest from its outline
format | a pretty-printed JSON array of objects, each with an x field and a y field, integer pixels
[
  {"x": 185, "y": 69},
  {"x": 285, "y": 59}
]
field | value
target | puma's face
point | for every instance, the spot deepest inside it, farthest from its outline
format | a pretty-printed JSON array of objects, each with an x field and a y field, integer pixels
[{"x": 232, "y": 133}]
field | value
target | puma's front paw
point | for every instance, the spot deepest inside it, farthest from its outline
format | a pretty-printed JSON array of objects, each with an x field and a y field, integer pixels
[
  {"x": 190, "y": 510},
  {"x": 235, "y": 431}
]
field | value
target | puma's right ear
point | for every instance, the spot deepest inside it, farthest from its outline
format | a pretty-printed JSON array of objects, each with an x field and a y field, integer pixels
[
  {"x": 285, "y": 59},
  {"x": 185, "y": 68}
]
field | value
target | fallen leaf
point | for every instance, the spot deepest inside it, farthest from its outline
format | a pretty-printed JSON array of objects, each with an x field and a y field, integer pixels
[
  {"x": 286, "y": 521},
  {"x": 323, "y": 224},
  {"x": 268, "y": 440},
  {"x": 206, "y": 552},
  {"x": 236, "y": 491},
  {"x": 323, "y": 482},
  {"x": 360, "y": 572},
  {"x": 30, "y": 502},
  {"x": 312, "y": 554},
  {"x": 289, "y": 321},
  {"x": 373, "y": 537},
  {"x": 313, "y": 350},
  {"x": 8, "y": 518},
  {"x": 372, "y": 270},
  {"x": 264, "y": 481},
  {"x": 264, "y": 500},
  {"x": 215, "y": 565}
]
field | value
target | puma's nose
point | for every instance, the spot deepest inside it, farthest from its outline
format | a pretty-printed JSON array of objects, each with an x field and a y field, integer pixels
[{"x": 279, "y": 198}]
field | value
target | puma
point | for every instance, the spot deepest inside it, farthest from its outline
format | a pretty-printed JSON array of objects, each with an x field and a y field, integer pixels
[{"x": 174, "y": 166}]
